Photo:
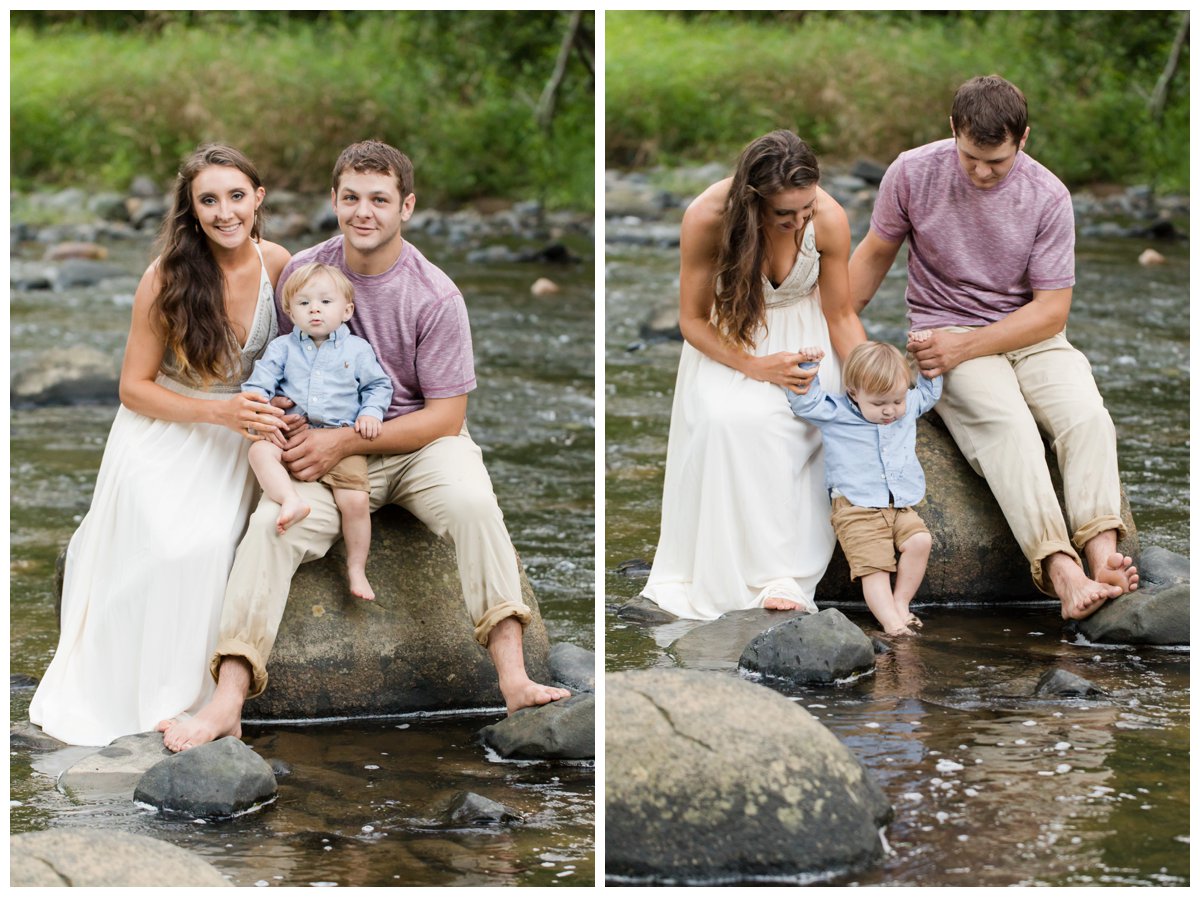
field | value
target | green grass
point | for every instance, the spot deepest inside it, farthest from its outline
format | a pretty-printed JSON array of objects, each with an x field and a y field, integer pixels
[
  {"x": 687, "y": 88},
  {"x": 96, "y": 108}
]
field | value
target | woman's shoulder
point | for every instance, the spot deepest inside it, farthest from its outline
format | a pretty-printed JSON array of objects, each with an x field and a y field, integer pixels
[
  {"x": 275, "y": 257},
  {"x": 831, "y": 226},
  {"x": 701, "y": 224}
]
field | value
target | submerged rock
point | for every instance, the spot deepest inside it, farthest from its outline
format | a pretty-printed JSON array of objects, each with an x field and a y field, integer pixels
[
  {"x": 63, "y": 376},
  {"x": 1064, "y": 683},
  {"x": 643, "y": 610},
  {"x": 212, "y": 781},
  {"x": 818, "y": 648},
  {"x": 25, "y": 734},
  {"x": 718, "y": 645},
  {"x": 573, "y": 668},
  {"x": 115, "y": 769},
  {"x": 710, "y": 778},
  {"x": 1160, "y": 617},
  {"x": 470, "y": 809},
  {"x": 80, "y": 858},
  {"x": 560, "y": 730}
]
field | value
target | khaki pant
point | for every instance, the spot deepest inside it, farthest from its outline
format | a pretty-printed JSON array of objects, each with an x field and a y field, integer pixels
[
  {"x": 871, "y": 537},
  {"x": 994, "y": 407},
  {"x": 444, "y": 484}
]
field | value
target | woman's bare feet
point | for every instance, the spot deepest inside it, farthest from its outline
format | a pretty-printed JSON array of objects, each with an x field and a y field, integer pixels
[
  {"x": 359, "y": 587},
  {"x": 291, "y": 511},
  {"x": 777, "y": 603},
  {"x": 1118, "y": 570},
  {"x": 522, "y": 693}
]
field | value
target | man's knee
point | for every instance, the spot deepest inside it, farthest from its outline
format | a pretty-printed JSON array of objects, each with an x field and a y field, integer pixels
[{"x": 469, "y": 503}]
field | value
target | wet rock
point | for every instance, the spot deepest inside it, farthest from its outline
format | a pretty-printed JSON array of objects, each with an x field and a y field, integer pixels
[
  {"x": 718, "y": 645},
  {"x": 62, "y": 251},
  {"x": 712, "y": 778},
  {"x": 634, "y": 568},
  {"x": 146, "y": 213},
  {"x": 1064, "y": 683},
  {"x": 81, "y": 272},
  {"x": 213, "y": 781},
  {"x": 26, "y": 735},
  {"x": 663, "y": 325},
  {"x": 817, "y": 648},
  {"x": 560, "y": 730},
  {"x": 634, "y": 232},
  {"x": 974, "y": 557},
  {"x": 643, "y": 610},
  {"x": 115, "y": 769},
  {"x": 325, "y": 219},
  {"x": 144, "y": 186},
  {"x": 871, "y": 172},
  {"x": 67, "y": 375},
  {"x": 552, "y": 254},
  {"x": 280, "y": 768},
  {"x": 1151, "y": 257},
  {"x": 21, "y": 682},
  {"x": 1159, "y": 567},
  {"x": 627, "y": 197},
  {"x": 544, "y": 286},
  {"x": 1159, "y": 617},
  {"x": 288, "y": 226},
  {"x": 109, "y": 206},
  {"x": 412, "y": 648},
  {"x": 1162, "y": 229},
  {"x": 492, "y": 255},
  {"x": 96, "y": 858},
  {"x": 573, "y": 668},
  {"x": 470, "y": 809}
]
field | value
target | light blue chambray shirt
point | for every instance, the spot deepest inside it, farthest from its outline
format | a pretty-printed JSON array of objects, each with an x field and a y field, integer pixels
[
  {"x": 873, "y": 465},
  {"x": 334, "y": 383}
]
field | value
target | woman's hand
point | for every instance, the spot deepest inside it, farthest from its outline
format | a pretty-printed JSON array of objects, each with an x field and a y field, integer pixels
[
  {"x": 782, "y": 369},
  {"x": 251, "y": 415}
]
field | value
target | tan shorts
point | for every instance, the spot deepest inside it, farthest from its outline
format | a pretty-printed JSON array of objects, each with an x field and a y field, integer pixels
[
  {"x": 870, "y": 537},
  {"x": 349, "y": 473}
]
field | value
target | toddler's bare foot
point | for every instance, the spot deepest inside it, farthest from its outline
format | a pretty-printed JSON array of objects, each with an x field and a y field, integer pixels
[
  {"x": 525, "y": 692},
  {"x": 914, "y": 620},
  {"x": 901, "y": 630},
  {"x": 359, "y": 587},
  {"x": 1118, "y": 570},
  {"x": 291, "y": 511}
]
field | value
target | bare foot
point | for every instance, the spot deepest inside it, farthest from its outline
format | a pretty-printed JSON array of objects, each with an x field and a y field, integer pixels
[
  {"x": 291, "y": 511},
  {"x": 914, "y": 620},
  {"x": 1118, "y": 570},
  {"x": 527, "y": 693},
  {"x": 903, "y": 630},
  {"x": 211, "y": 723},
  {"x": 1080, "y": 596},
  {"x": 359, "y": 587},
  {"x": 777, "y": 603}
]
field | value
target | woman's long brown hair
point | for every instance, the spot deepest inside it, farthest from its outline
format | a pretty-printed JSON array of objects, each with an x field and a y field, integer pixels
[
  {"x": 190, "y": 306},
  {"x": 771, "y": 164}
]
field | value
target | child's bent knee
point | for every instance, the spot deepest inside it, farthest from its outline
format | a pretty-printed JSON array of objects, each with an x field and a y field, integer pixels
[{"x": 918, "y": 542}]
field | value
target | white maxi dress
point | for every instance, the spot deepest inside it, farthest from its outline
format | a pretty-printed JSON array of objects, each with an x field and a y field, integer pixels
[
  {"x": 146, "y": 570},
  {"x": 745, "y": 512}
]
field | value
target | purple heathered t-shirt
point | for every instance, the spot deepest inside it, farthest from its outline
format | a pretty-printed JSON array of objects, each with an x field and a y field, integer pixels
[
  {"x": 975, "y": 255},
  {"x": 414, "y": 318}
]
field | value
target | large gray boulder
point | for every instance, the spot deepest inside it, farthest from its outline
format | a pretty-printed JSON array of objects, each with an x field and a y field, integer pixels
[
  {"x": 410, "y": 649},
  {"x": 818, "y": 648},
  {"x": 974, "y": 554},
  {"x": 718, "y": 644},
  {"x": 710, "y": 778},
  {"x": 80, "y": 858},
  {"x": 212, "y": 781},
  {"x": 1160, "y": 617},
  {"x": 573, "y": 667}
]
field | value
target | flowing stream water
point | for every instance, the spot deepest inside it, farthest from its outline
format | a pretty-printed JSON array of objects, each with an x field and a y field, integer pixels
[
  {"x": 990, "y": 786},
  {"x": 361, "y": 803}
]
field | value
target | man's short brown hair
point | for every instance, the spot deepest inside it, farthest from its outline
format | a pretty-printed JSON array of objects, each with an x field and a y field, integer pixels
[
  {"x": 376, "y": 157},
  {"x": 990, "y": 111}
]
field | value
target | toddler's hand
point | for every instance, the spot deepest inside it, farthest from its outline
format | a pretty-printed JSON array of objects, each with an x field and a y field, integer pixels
[
  {"x": 811, "y": 354},
  {"x": 919, "y": 336},
  {"x": 368, "y": 427}
]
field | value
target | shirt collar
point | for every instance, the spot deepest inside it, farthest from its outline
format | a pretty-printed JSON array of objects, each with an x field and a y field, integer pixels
[{"x": 336, "y": 337}]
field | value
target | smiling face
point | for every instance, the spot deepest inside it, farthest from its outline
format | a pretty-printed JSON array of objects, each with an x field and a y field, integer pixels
[
  {"x": 370, "y": 212},
  {"x": 319, "y": 307},
  {"x": 881, "y": 408},
  {"x": 789, "y": 210},
  {"x": 224, "y": 202},
  {"x": 986, "y": 166}
]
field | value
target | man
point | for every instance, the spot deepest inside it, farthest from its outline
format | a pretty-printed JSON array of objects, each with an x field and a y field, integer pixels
[
  {"x": 415, "y": 319},
  {"x": 991, "y": 267}
]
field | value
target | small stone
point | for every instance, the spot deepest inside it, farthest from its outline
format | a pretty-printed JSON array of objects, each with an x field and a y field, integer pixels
[
  {"x": 470, "y": 809},
  {"x": 1151, "y": 257},
  {"x": 1064, "y": 683},
  {"x": 544, "y": 286}
]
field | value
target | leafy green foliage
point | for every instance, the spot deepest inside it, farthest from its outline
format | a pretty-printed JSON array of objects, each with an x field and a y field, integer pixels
[
  {"x": 698, "y": 86},
  {"x": 99, "y": 98}
]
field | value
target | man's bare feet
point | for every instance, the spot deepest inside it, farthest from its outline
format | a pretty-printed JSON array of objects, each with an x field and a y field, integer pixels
[
  {"x": 1080, "y": 596},
  {"x": 525, "y": 692},
  {"x": 207, "y": 725},
  {"x": 359, "y": 587},
  {"x": 291, "y": 511},
  {"x": 1118, "y": 570}
]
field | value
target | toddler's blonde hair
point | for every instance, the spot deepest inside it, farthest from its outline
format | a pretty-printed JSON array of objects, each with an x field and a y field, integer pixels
[
  {"x": 876, "y": 368},
  {"x": 302, "y": 275}
]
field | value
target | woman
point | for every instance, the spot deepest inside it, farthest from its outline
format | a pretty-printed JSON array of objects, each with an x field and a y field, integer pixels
[
  {"x": 763, "y": 273},
  {"x": 146, "y": 570}
]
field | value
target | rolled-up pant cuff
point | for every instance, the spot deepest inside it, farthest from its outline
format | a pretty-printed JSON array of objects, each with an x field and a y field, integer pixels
[
  {"x": 1036, "y": 563},
  {"x": 247, "y": 652},
  {"x": 1093, "y": 528},
  {"x": 493, "y": 615}
]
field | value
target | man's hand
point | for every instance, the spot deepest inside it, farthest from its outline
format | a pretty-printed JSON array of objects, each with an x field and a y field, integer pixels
[
  {"x": 313, "y": 452},
  {"x": 939, "y": 352},
  {"x": 368, "y": 427}
]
